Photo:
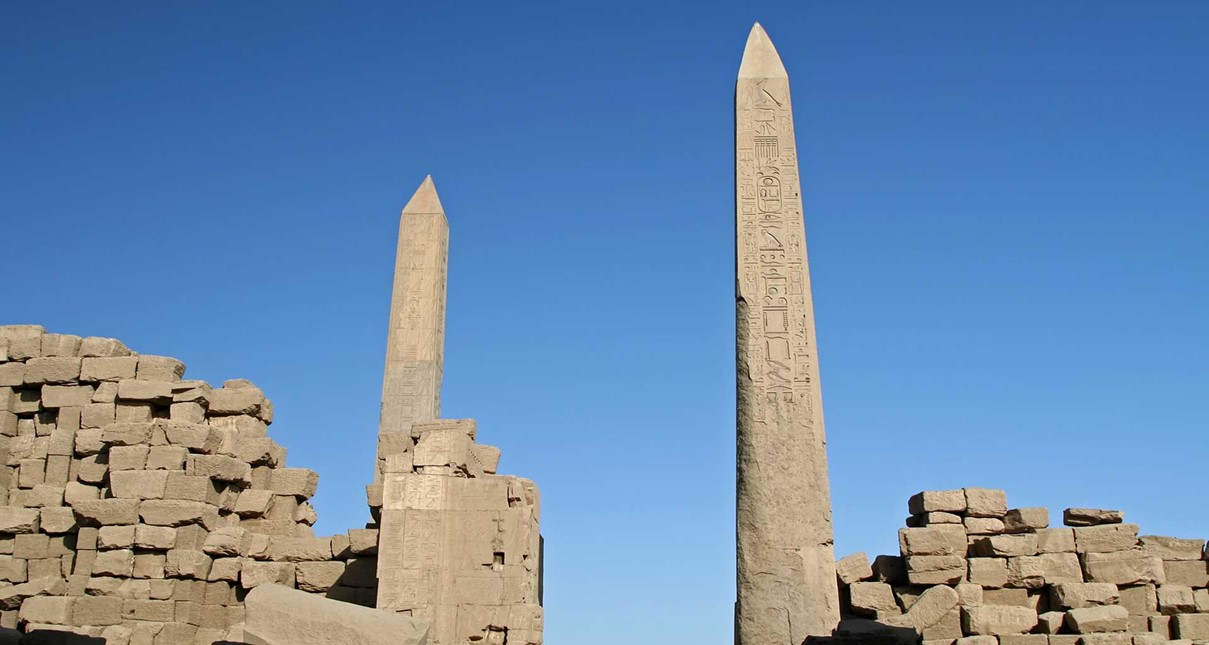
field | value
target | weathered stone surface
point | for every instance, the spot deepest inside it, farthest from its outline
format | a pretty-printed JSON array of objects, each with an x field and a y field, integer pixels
[
  {"x": 1191, "y": 626},
  {"x": 18, "y": 520},
  {"x": 1074, "y": 595},
  {"x": 935, "y": 569},
  {"x": 1176, "y": 599},
  {"x": 318, "y": 576},
  {"x": 280, "y": 616},
  {"x": 1026, "y": 519},
  {"x": 53, "y": 369},
  {"x": 160, "y": 512},
  {"x": 952, "y": 501},
  {"x": 1005, "y": 546},
  {"x": 1086, "y": 620},
  {"x": 874, "y": 599},
  {"x": 104, "y": 512},
  {"x": 1091, "y": 517},
  {"x": 1056, "y": 540},
  {"x": 1170, "y": 548},
  {"x": 300, "y": 482},
  {"x": 994, "y": 620},
  {"x": 932, "y": 606},
  {"x": 1106, "y": 538},
  {"x": 945, "y": 539},
  {"x": 786, "y": 564},
  {"x": 12, "y": 597},
  {"x": 1193, "y": 573},
  {"x": 159, "y": 368},
  {"x": 254, "y": 574},
  {"x": 983, "y": 525}
]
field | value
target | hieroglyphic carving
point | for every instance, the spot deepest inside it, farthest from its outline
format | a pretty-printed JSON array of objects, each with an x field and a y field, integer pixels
[{"x": 784, "y": 534}]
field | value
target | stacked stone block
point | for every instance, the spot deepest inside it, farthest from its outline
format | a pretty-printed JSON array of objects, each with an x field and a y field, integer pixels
[
  {"x": 971, "y": 571},
  {"x": 142, "y": 507}
]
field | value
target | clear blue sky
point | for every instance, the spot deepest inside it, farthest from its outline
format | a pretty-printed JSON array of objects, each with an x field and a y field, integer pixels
[{"x": 1006, "y": 211}]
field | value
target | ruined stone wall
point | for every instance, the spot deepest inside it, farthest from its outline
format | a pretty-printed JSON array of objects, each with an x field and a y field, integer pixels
[
  {"x": 972, "y": 572},
  {"x": 141, "y": 507}
]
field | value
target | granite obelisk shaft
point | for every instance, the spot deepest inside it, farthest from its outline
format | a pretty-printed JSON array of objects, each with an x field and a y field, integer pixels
[
  {"x": 786, "y": 562},
  {"x": 411, "y": 385}
]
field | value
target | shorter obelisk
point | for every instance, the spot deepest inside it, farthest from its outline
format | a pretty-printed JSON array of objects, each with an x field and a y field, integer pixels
[
  {"x": 786, "y": 560},
  {"x": 411, "y": 385}
]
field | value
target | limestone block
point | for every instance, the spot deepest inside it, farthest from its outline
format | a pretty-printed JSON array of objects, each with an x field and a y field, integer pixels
[
  {"x": 989, "y": 572},
  {"x": 945, "y": 539},
  {"x": 1170, "y": 548},
  {"x": 279, "y": 616},
  {"x": 159, "y": 512},
  {"x": 1003, "y": 546},
  {"x": 54, "y": 369},
  {"x": 1176, "y": 599},
  {"x": 874, "y": 599},
  {"x": 1056, "y": 540},
  {"x": 102, "y": 512},
  {"x": 159, "y": 368},
  {"x": 299, "y": 549},
  {"x": 1123, "y": 567},
  {"x": 143, "y": 390},
  {"x": 1190, "y": 626},
  {"x": 299, "y": 482},
  {"x": 1140, "y": 600},
  {"x": 116, "y": 562},
  {"x": 1191, "y": 573},
  {"x": 935, "y": 569},
  {"x": 18, "y": 520},
  {"x": 66, "y": 396},
  {"x": 220, "y": 468},
  {"x": 931, "y": 607},
  {"x": 96, "y": 610},
  {"x": 154, "y": 538},
  {"x": 254, "y": 574},
  {"x": 1087, "y": 620},
  {"x": 1106, "y": 538},
  {"x": 994, "y": 620},
  {"x": 1091, "y": 516},
  {"x": 953, "y": 501},
  {"x": 983, "y": 525},
  {"x": 318, "y": 576}
]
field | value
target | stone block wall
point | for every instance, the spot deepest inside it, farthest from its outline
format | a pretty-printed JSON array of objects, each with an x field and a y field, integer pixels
[
  {"x": 141, "y": 507},
  {"x": 971, "y": 571}
]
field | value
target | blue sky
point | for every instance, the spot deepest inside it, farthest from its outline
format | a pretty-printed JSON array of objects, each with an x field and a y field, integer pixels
[{"x": 1006, "y": 211}]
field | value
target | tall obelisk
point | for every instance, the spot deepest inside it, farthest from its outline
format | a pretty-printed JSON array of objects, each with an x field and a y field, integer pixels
[
  {"x": 786, "y": 558},
  {"x": 411, "y": 385}
]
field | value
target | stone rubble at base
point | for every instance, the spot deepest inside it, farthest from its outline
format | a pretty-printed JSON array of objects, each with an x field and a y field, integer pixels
[{"x": 971, "y": 571}]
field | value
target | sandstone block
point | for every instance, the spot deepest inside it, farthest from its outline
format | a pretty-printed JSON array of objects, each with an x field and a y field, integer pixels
[
  {"x": 994, "y": 620},
  {"x": 46, "y": 609},
  {"x": 1004, "y": 546},
  {"x": 321, "y": 576},
  {"x": 52, "y": 369},
  {"x": 142, "y": 390},
  {"x": 1191, "y": 626},
  {"x": 18, "y": 520},
  {"x": 1057, "y": 540},
  {"x": 57, "y": 520},
  {"x": 299, "y": 482},
  {"x": 931, "y": 607},
  {"x": 254, "y": 574},
  {"x": 115, "y": 537},
  {"x": 935, "y": 569},
  {"x": 228, "y": 542},
  {"x": 1087, "y": 620},
  {"x": 446, "y": 448},
  {"x": 96, "y": 346},
  {"x": 1123, "y": 568},
  {"x": 193, "y": 488},
  {"x": 187, "y": 412},
  {"x": 1074, "y": 595},
  {"x": 280, "y": 616},
  {"x": 1091, "y": 517},
  {"x": 989, "y": 572},
  {"x": 242, "y": 400},
  {"x": 128, "y": 434},
  {"x": 1026, "y": 519},
  {"x": 138, "y": 484},
  {"x": 487, "y": 456},
  {"x": 983, "y": 525},
  {"x": 300, "y": 549},
  {"x": 952, "y": 501},
  {"x": 226, "y": 569},
  {"x": 1140, "y": 600},
  {"x": 12, "y": 374},
  {"x": 1023, "y": 639},
  {"x": 12, "y": 597},
  {"x": 195, "y": 437},
  {"x": 1176, "y": 599},
  {"x": 159, "y": 368},
  {"x": 253, "y": 503},
  {"x": 108, "y": 369},
  {"x": 943, "y": 539},
  {"x": 1106, "y": 638},
  {"x": 102, "y": 512},
  {"x": 166, "y": 458},
  {"x": 1201, "y": 597},
  {"x": 260, "y": 451},
  {"x": 1029, "y": 571},
  {"x": 873, "y": 599},
  {"x": 96, "y": 610},
  {"x": 1170, "y": 548},
  {"x": 1106, "y": 538},
  {"x": 116, "y": 562},
  {"x": 187, "y": 563},
  {"x": 1050, "y": 622},
  {"x": 178, "y": 513},
  {"x": 154, "y": 538},
  {"x": 1191, "y": 573},
  {"x": 365, "y": 542},
  {"x": 220, "y": 468},
  {"x": 1060, "y": 568},
  {"x": 66, "y": 396}
]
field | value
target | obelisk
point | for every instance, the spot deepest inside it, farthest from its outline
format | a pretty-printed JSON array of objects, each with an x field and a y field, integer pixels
[
  {"x": 411, "y": 385},
  {"x": 786, "y": 561}
]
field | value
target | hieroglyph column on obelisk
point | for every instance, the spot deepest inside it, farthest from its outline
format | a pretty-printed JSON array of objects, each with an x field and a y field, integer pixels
[
  {"x": 411, "y": 385},
  {"x": 786, "y": 561}
]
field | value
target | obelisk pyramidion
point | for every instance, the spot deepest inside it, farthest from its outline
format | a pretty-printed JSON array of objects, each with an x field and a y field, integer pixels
[
  {"x": 415, "y": 350},
  {"x": 786, "y": 562}
]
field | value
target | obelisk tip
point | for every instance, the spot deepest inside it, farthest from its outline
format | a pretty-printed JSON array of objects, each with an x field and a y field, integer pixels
[
  {"x": 760, "y": 58},
  {"x": 425, "y": 199}
]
